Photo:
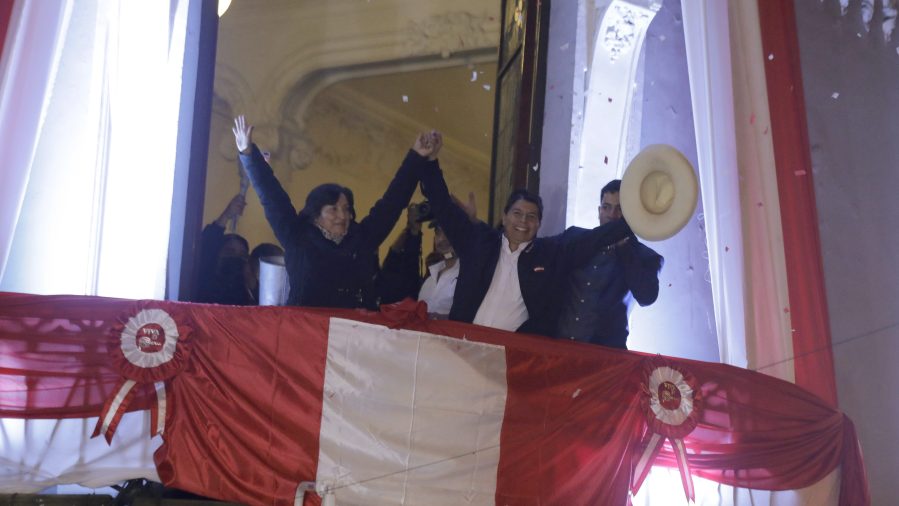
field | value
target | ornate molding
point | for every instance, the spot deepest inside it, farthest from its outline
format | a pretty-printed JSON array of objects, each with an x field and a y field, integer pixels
[
  {"x": 867, "y": 11},
  {"x": 370, "y": 125},
  {"x": 622, "y": 26},
  {"x": 450, "y": 32}
]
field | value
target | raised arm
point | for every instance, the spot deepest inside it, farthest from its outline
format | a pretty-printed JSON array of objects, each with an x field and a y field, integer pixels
[
  {"x": 387, "y": 210},
  {"x": 454, "y": 221},
  {"x": 279, "y": 211},
  {"x": 579, "y": 245}
]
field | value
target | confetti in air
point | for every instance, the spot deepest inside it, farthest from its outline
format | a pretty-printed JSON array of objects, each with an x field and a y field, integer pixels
[
  {"x": 835, "y": 95},
  {"x": 799, "y": 172},
  {"x": 405, "y": 99},
  {"x": 487, "y": 87},
  {"x": 576, "y": 393},
  {"x": 474, "y": 75},
  {"x": 771, "y": 56}
]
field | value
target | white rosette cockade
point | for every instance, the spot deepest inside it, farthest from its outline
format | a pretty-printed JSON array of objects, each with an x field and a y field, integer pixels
[
  {"x": 147, "y": 347},
  {"x": 672, "y": 404}
]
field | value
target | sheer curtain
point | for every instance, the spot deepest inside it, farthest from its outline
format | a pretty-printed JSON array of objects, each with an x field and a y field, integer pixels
[
  {"x": 90, "y": 105},
  {"x": 95, "y": 215},
  {"x": 30, "y": 56}
]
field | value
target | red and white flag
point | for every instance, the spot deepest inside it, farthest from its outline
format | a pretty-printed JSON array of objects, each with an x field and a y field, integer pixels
[{"x": 293, "y": 405}]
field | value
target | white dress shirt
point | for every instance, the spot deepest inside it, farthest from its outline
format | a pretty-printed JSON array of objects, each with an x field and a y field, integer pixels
[
  {"x": 503, "y": 306},
  {"x": 439, "y": 288}
]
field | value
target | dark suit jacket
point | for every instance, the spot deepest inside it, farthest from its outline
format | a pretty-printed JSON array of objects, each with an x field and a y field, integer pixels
[{"x": 543, "y": 266}]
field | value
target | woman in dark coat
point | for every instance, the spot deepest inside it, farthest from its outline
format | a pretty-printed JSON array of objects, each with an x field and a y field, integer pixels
[{"x": 332, "y": 260}]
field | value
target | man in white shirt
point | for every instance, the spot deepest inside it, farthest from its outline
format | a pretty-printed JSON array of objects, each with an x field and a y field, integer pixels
[
  {"x": 508, "y": 278},
  {"x": 440, "y": 285}
]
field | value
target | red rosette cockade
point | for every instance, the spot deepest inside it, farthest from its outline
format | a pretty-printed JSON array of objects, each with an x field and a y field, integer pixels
[
  {"x": 672, "y": 403},
  {"x": 147, "y": 347}
]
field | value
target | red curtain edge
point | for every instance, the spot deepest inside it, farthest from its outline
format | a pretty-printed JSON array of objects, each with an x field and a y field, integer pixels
[
  {"x": 5, "y": 16},
  {"x": 812, "y": 342},
  {"x": 812, "y": 350}
]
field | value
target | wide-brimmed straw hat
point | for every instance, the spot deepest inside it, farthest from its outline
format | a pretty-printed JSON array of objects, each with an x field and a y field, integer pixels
[{"x": 658, "y": 192}]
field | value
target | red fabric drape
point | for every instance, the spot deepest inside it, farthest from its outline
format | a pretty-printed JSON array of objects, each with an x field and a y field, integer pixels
[
  {"x": 802, "y": 246},
  {"x": 5, "y": 15},
  {"x": 245, "y": 413}
]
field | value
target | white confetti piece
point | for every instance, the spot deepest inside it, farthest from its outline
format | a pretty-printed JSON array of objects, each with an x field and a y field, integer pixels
[
  {"x": 405, "y": 99},
  {"x": 576, "y": 393},
  {"x": 835, "y": 95},
  {"x": 564, "y": 46},
  {"x": 474, "y": 75},
  {"x": 771, "y": 56},
  {"x": 487, "y": 87}
]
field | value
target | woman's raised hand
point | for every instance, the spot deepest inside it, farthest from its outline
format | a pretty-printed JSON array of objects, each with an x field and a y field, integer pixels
[
  {"x": 436, "y": 144},
  {"x": 243, "y": 134}
]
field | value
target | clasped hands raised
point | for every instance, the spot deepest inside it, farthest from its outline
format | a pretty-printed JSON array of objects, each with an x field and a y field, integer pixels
[{"x": 428, "y": 144}]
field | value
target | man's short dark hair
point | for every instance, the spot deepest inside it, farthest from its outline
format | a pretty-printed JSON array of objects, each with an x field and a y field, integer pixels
[
  {"x": 613, "y": 186},
  {"x": 325, "y": 195},
  {"x": 527, "y": 197},
  {"x": 264, "y": 250}
]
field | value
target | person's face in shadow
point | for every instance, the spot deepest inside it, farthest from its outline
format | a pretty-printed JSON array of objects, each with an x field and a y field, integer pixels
[
  {"x": 442, "y": 245},
  {"x": 233, "y": 248}
]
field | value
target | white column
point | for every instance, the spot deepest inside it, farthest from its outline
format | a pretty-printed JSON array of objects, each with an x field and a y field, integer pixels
[{"x": 617, "y": 45}]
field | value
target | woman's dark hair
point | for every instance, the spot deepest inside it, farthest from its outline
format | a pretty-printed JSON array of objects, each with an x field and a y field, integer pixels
[
  {"x": 527, "y": 197},
  {"x": 235, "y": 238},
  {"x": 325, "y": 195}
]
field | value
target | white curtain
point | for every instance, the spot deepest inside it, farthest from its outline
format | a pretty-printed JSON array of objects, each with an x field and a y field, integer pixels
[
  {"x": 27, "y": 69},
  {"x": 95, "y": 215},
  {"x": 88, "y": 128},
  {"x": 708, "y": 58}
]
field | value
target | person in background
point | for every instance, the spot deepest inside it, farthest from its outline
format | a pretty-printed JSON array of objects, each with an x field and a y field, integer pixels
[
  {"x": 401, "y": 270},
  {"x": 509, "y": 279},
  {"x": 600, "y": 296},
  {"x": 331, "y": 259},
  {"x": 223, "y": 270},
  {"x": 264, "y": 250}
]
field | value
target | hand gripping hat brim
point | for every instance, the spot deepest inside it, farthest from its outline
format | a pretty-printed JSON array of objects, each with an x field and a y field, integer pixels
[{"x": 658, "y": 192}]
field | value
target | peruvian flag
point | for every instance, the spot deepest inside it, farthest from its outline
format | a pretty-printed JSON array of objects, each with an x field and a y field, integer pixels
[{"x": 284, "y": 404}]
